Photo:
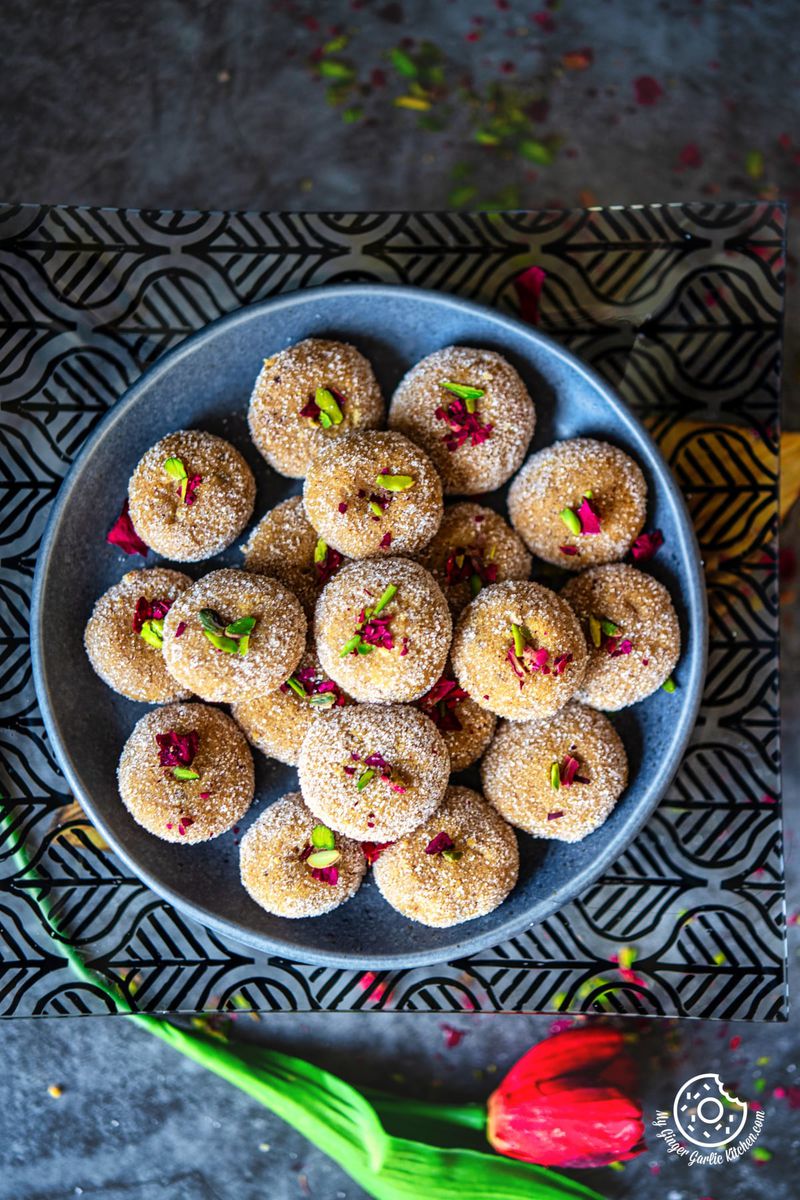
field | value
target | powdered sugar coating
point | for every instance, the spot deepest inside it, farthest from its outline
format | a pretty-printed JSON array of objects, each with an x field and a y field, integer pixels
[
  {"x": 282, "y": 545},
  {"x": 642, "y": 609},
  {"x": 222, "y": 503},
  {"x": 279, "y": 879},
  {"x": 419, "y": 620},
  {"x": 277, "y": 723},
  {"x": 506, "y": 406},
  {"x": 202, "y": 808},
  {"x": 288, "y": 380},
  {"x": 276, "y": 642},
  {"x": 467, "y": 743},
  {"x": 121, "y": 656},
  {"x": 517, "y": 766},
  {"x": 557, "y": 478},
  {"x": 342, "y": 484},
  {"x": 472, "y": 530},
  {"x": 332, "y": 762},
  {"x": 441, "y": 892},
  {"x": 483, "y": 638}
]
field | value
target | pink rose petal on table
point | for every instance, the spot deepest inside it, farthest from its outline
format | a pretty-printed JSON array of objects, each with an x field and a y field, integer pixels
[{"x": 123, "y": 535}]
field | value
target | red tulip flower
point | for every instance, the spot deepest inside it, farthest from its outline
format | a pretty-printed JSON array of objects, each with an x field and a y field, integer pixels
[{"x": 569, "y": 1102}]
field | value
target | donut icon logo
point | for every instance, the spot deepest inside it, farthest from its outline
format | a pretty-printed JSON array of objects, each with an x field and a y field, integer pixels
[{"x": 706, "y": 1114}]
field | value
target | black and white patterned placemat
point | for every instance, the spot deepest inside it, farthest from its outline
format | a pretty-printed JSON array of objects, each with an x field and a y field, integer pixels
[{"x": 679, "y": 307}]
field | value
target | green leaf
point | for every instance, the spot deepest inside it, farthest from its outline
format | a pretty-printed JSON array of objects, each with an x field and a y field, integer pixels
[{"x": 462, "y": 195}]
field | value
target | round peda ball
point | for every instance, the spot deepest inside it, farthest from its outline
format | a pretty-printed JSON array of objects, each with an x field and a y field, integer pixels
[
  {"x": 211, "y": 646},
  {"x": 277, "y": 722},
  {"x": 275, "y": 868},
  {"x": 631, "y": 631},
  {"x": 191, "y": 495},
  {"x": 383, "y": 630},
  {"x": 124, "y": 633},
  {"x": 286, "y": 546},
  {"x": 519, "y": 650},
  {"x": 186, "y": 773},
  {"x": 461, "y": 864},
  {"x": 373, "y": 494},
  {"x": 373, "y": 771},
  {"x": 476, "y": 438},
  {"x": 473, "y": 547},
  {"x": 467, "y": 728},
  {"x": 579, "y": 749},
  {"x": 307, "y": 396},
  {"x": 578, "y": 503}
]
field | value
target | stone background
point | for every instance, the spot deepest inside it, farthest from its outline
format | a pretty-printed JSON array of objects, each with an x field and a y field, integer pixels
[{"x": 207, "y": 104}]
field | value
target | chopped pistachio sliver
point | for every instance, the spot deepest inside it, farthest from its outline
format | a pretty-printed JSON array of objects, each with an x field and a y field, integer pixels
[
  {"x": 388, "y": 595},
  {"x": 609, "y": 628},
  {"x": 519, "y": 640},
  {"x": 325, "y": 421},
  {"x": 555, "y": 776},
  {"x": 669, "y": 685},
  {"x": 395, "y": 483},
  {"x": 463, "y": 391},
  {"x": 595, "y": 631},
  {"x": 322, "y": 838},
  {"x": 571, "y": 520},
  {"x": 588, "y": 494},
  {"x": 350, "y": 646},
  {"x": 152, "y": 632},
  {"x": 243, "y": 645},
  {"x": 452, "y": 855},
  {"x": 323, "y": 858},
  {"x": 320, "y": 550},
  {"x": 296, "y": 687},
  {"x": 376, "y": 508},
  {"x": 220, "y": 642},
  {"x": 241, "y": 627},
  {"x": 184, "y": 773},
  {"x": 364, "y": 648},
  {"x": 322, "y": 700},
  {"x": 211, "y": 620},
  {"x": 326, "y": 403},
  {"x": 175, "y": 468},
  {"x": 475, "y": 584},
  {"x": 365, "y": 777}
]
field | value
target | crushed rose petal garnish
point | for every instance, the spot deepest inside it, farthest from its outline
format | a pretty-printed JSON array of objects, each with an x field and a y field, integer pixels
[
  {"x": 177, "y": 749},
  {"x": 617, "y": 647},
  {"x": 440, "y": 704},
  {"x": 554, "y": 816},
  {"x": 192, "y": 484},
  {"x": 470, "y": 563},
  {"x": 386, "y": 540},
  {"x": 123, "y": 535},
  {"x": 464, "y": 426},
  {"x": 180, "y": 629},
  {"x": 328, "y": 565},
  {"x": 376, "y": 767},
  {"x": 373, "y": 850},
  {"x": 343, "y": 507},
  {"x": 440, "y": 843},
  {"x": 372, "y": 628},
  {"x": 647, "y": 544},
  {"x": 589, "y": 519},
  {"x": 184, "y": 823},
  {"x": 310, "y": 684},
  {"x": 149, "y": 610},
  {"x": 329, "y": 875},
  {"x": 526, "y": 659},
  {"x": 569, "y": 550}
]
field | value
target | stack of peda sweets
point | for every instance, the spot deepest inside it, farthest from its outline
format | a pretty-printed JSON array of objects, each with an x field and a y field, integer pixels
[{"x": 375, "y": 636}]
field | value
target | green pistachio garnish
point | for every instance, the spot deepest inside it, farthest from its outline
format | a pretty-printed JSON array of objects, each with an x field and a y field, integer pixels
[
  {"x": 322, "y": 838},
  {"x": 244, "y": 644},
  {"x": 376, "y": 508},
  {"x": 452, "y": 855},
  {"x": 365, "y": 777},
  {"x": 152, "y": 632},
  {"x": 320, "y": 550},
  {"x": 322, "y": 700},
  {"x": 395, "y": 483},
  {"x": 326, "y": 403},
  {"x": 296, "y": 687},
  {"x": 211, "y": 620},
  {"x": 323, "y": 858},
  {"x": 595, "y": 631},
  {"x": 350, "y": 646},
  {"x": 475, "y": 584},
  {"x": 519, "y": 640},
  {"x": 555, "y": 776},
  {"x": 220, "y": 642},
  {"x": 669, "y": 685},
  {"x": 609, "y": 628},
  {"x": 571, "y": 520},
  {"x": 464, "y": 392},
  {"x": 325, "y": 421},
  {"x": 176, "y": 470},
  {"x": 184, "y": 773},
  {"x": 240, "y": 628},
  {"x": 388, "y": 595},
  {"x": 233, "y": 638}
]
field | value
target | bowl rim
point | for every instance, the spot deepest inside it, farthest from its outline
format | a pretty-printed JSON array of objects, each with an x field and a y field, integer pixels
[{"x": 691, "y": 691}]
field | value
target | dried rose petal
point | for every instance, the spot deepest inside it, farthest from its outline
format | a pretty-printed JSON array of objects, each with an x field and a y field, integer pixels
[
  {"x": 184, "y": 823},
  {"x": 441, "y": 842},
  {"x": 464, "y": 426},
  {"x": 306, "y": 852},
  {"x": 177, "y": 749},
  {"x": 647, "y": 544},
  {"x": 560, "y": 664},
  {"x": 386, "y": 540},
  {"x": 616, "y": 647},
  {"x": 343, "y": 507},
  {"x": 328, "y": 566},
  {"x": 123, "y": 535},
  {"x": 148, "y": 610},
  {"x": 373, "y": 850},
  {"x": 440, "y": 704},
  {"x": 328, "y": 875},
  {"x": 569, "y": 769},
  {"x": 589, "y": 519},
  {"x": 569, "y": 550},
  {"x": 180, "y": 629},
  {"x": 192, "y": 484},
  {"x": 554, "y": 816}
]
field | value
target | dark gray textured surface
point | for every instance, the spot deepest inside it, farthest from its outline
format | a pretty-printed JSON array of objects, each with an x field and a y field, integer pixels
[{"x": 212, "y": 105}]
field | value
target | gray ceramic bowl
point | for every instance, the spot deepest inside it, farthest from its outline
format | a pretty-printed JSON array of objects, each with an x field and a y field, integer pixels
[{"x": 206, "y": 383}]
